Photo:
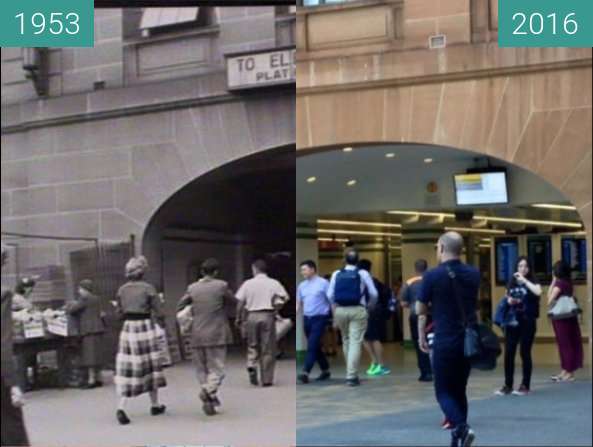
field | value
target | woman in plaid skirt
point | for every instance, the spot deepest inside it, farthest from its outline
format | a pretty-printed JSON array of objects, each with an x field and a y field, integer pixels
[{"x": 138, "y": 365}]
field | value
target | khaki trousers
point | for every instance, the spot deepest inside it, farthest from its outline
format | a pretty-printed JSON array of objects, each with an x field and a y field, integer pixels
[
  {"x": 209, "y": 363},
  {"x": 261, "y": 344},
  {"x": 353, "y": 322}
]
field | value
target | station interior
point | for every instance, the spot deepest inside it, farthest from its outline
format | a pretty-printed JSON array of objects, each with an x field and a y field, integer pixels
[{"x": 392, "y": 202}]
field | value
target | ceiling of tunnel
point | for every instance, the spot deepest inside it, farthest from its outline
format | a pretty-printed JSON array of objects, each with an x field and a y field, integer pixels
[
  {"x": 247, "y": 195},
  {"x": 395, "y": 177}
]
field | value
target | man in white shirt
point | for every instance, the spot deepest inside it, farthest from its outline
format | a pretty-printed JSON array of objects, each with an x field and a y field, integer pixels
[
  {"x": 261, "y": 297},
  {"x": 351, "y": 291}
]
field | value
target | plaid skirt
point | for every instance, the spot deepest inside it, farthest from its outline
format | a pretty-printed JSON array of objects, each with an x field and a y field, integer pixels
[{"x": 138, "y": 367}]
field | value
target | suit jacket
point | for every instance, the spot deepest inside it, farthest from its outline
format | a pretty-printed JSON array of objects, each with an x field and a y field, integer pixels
[
  {"x": 8, "y": 369},
  {"x": 87, "y": 310},
  {"x": 209, "y": 299}
]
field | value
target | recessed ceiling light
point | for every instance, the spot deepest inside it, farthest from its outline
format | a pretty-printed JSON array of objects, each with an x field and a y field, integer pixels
[
  {"x": 554, "y": 206},
  {"x": 357, "y": 233},
  {"x": 390, "y": 155},
  {"x": 311, "y": 179},
  {"x": 351, "y": 182},
  {"x": 428, "y": 160},
  {"x": 348, "y": 149},
  {"x": 358, "y": 223},
  {"x": 422, "y": 213},
  {"x": 550, "y": 223},
  {"x": 474, "y": 230}
]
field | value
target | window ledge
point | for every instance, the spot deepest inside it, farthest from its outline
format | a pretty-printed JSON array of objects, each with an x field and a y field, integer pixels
[
  {"x": 354, "y": 4},
  {"x": 209, "y": 31}
]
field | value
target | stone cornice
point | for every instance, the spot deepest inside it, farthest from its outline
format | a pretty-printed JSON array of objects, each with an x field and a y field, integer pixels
[
  {"x": 120, "y": 112},
  {"x": 444, "y": 77}
]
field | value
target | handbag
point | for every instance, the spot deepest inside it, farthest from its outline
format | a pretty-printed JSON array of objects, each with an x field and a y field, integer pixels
[
  {"x": 185, "y": 318},
  {"x": 565, "y": 307},
  {"x": 163, "y": 346},
  {"x": 283, "y": 327},
  {"x": 480, "y": 344}
]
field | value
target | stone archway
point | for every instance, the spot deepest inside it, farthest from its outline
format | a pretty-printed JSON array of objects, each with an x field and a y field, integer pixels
[
  {"x": 203, "y": 139},
  {"x": 539, "y": 121}
]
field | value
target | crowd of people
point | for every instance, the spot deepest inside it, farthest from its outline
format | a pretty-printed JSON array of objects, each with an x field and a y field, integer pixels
[
  {"x": 139, "y": 363},
  {"x": 442, "y": 301}
]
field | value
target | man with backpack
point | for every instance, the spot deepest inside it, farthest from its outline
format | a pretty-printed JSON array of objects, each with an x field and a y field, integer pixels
[
  {"x": 375, "y": 333},
  {"x": 351, "y": 290}
]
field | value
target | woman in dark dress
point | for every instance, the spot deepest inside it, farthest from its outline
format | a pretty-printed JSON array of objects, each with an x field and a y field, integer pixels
[
  {"x": 568, "y": 331},
  {"x": 523, "y": 297},
  {"x": 14, "y": 433},
  {"x": 139, "y": 367},
  {"x": 87, "y": 310}
]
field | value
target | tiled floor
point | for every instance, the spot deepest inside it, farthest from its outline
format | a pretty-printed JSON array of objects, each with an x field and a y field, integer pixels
[{"x": 398, "y": 410}]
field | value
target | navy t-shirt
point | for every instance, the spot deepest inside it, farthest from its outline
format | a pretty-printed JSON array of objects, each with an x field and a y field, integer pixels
[{"x": 437, "y": 290}]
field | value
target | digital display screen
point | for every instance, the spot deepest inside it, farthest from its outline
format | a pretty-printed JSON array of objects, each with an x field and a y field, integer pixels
[
  {"x": 481, "y": 189},
  {"x": 574, "y": 253},
  {"x": 507, "y": 253},
  {"x": 539, "y": 252}
]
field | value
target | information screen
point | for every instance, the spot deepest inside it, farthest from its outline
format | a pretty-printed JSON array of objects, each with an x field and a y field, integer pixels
[
  {"x": 574, "y": 253},
  {"x": 507, "y": 253},
  {"x": 481, "y": 189},
  {"x": 539, "y": 252}
]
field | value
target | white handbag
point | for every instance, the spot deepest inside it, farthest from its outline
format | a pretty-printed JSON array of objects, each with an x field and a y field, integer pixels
[
  {"x": 565, "y": 307},
  {"x": 163, "y": 343},
  {"x": 185, "y": 318},
  {"x": 283, "y": 327}
]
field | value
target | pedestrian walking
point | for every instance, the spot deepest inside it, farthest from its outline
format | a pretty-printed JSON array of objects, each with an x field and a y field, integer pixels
[
  {"x": 446, "y": 288},
  {"x": 409, "y": 296},
  {"x": 376, "y": 328},
  {"x": 211, "y": 333},
  {"x": 567, "y": 331},
  {"x": 351, "y": 291},
  {"x": 87, "y": 312},
  {"x": 138, "y": 365},
  {"x": 14, "y": 433},
  {"x": 260, "y": 298},
  {"x": 313, "y": 301},
  {"x": 522, "y": 298},
  {"x": 21, "y": 302}
]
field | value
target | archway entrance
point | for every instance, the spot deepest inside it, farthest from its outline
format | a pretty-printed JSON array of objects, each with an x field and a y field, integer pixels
[
  {"x": 392, "y": 201},
  {"x": 236, "y": 213}
]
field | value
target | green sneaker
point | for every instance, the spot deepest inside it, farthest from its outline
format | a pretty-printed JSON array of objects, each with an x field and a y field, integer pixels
[
  {"x": 372, "y": 369},
  {"x": 383, "y": 371},
  {"x": 376, "y": 371}
]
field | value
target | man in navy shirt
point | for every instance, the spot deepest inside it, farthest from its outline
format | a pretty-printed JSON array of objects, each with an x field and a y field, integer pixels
[
  {"x": 443, "y": 287},
  {"x": 313, "y": 300}
]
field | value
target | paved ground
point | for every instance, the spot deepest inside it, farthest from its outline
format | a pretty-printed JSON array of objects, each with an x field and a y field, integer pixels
[
  {"x": 250, "y": 417},
  {"x": 399, "y": 411}
]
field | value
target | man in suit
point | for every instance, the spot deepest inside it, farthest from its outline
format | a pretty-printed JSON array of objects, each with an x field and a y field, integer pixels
[
  {"x": 211, "y": 332},
  {"x": 14, "y": 433}
]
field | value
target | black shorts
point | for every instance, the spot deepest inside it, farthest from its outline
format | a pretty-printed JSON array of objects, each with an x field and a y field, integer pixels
[{"x": 377, "y": 328}]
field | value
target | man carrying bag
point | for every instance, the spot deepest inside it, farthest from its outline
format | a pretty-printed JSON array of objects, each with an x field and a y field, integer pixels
[{"x": 453, "y": 312}]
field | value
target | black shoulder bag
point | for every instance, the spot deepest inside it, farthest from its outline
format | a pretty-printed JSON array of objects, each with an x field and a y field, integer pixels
[{"x": 480, "y": 344}]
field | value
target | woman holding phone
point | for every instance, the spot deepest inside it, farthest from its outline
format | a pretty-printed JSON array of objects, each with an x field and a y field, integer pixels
[{"x": 523, "y": 297}]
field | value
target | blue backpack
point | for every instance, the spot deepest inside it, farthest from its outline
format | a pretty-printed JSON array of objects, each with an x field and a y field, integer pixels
[{"x": 347, "y": 290}]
